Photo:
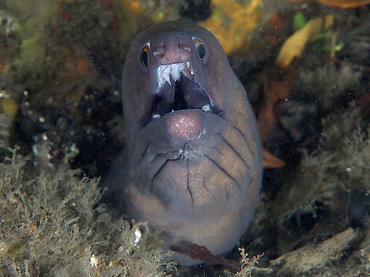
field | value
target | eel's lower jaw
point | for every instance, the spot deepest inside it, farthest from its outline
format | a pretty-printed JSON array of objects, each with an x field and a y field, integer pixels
[{"x": 182, "y": 126}]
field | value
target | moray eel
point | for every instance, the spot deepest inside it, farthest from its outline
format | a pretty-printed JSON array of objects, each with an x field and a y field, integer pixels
[{"x": 193, "y": 166}]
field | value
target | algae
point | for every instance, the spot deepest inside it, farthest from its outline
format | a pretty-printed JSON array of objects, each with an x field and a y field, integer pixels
[
  {"x": 51, "y": 225},
  {"x": 316, "y": 256}
]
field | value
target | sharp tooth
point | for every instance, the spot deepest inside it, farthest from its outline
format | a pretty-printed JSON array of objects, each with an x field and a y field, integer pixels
[
  {"x": 156, "y": 116},
  {"x": 166, "y": 74},
  {"x": 175, "y": 73},
  {"x": 167, "y": 79},
  {"x": 163, "y": 75},
  {"x": 171, "y": 71},
  {"x": 188, "y": 66},
  {"x": 206, "y": 108}
]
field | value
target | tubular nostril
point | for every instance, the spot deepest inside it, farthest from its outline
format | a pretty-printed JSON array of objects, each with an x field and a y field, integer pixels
[
  {"x": 160, "y": 51},
  {"x": 183, "y": 47},
  {"x": 173, "y": 48}
]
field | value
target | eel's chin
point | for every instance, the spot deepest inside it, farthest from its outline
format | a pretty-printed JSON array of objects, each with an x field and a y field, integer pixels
[
  {"x": 179, "y": 134},
  {"x": 183, "y": 126}
]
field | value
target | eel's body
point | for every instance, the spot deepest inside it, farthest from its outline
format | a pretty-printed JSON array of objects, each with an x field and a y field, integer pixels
[{"x": 194, "y": 165}]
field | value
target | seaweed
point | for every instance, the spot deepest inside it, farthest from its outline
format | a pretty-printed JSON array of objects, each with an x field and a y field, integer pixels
[
  {"x": 51, "y": 225},
  {"x": 315, "y": 255},
  {"x": 249, "y": 265}
]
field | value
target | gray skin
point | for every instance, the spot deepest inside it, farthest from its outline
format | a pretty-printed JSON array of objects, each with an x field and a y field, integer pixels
[{"x": 193, "y": 167}]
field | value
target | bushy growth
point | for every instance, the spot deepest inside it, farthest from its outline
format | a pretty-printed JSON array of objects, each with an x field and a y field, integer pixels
[{"x": 51, "y": 225}]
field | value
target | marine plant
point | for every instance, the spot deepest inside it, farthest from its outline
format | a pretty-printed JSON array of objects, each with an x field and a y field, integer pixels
[{"x": 51, "y": 225}]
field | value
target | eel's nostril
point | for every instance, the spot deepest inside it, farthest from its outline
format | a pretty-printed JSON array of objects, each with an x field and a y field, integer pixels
[
  {"x": 183, "y": 47},
  {"x": 160, "y": 51}
]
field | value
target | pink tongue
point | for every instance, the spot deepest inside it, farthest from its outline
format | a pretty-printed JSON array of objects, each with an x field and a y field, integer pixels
[{"x": 184, "y": 125}]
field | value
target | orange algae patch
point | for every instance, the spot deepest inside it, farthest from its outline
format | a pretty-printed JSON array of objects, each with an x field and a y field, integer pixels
[
  {"x": 231, "y": 21},
  {"x": 5, "y": 63},
  {"x": 83, "y": 66},
  {"x": 75, "y": 96},
  {"x": 136, "y": 8},
  {"x": 133, "y": 6},
  {"x": 9, "y": 106},
  {"x": 343, "y": 4}
]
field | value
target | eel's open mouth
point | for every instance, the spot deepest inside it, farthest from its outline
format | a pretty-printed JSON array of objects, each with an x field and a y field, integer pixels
[{"x": 178, "y": 90}]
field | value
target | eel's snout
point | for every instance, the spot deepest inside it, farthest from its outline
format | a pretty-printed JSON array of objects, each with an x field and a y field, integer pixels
[
  {"x": 172, "y": 48},
  {"x": 184, "y": 125}
]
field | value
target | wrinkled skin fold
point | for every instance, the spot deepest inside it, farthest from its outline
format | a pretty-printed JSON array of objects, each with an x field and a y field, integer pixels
[{"x": 193, "y": 166}]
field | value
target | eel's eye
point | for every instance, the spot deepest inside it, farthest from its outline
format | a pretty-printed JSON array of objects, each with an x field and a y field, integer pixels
[
  {"x": 201, "y": 49},
  {"x": 144, "y": 56}
]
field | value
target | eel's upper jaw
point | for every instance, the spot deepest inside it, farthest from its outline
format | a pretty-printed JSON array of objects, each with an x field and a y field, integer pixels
[
  {"x": 168, "y": 72},
  {"x": 178, "y": 89}
]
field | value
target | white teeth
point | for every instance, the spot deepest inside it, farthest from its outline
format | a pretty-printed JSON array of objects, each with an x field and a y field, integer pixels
[
  {"x": 188, "y": 66},
  {"x": 206, "y": 108},
  {"x": 166, "y": 72},
  {"x": 156, "y": 116},
  {"x": 173, "y": 71}
]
